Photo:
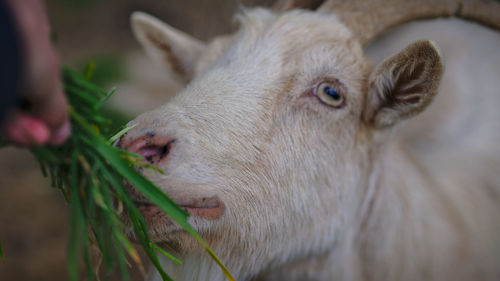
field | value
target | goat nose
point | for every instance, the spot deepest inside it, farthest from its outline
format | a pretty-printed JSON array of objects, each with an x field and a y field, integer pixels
[{"x": 153, "y": 147}]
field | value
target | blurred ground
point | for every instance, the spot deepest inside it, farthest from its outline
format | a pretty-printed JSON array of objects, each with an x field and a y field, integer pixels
[
  {"x": 33, "y": 217},
  {"x": 33, "y": 224}
]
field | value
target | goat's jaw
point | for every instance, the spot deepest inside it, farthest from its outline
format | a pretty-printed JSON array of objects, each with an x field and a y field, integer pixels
[
  {"x": 160, "y": 224},
  {"x": 203, "y": 207}
]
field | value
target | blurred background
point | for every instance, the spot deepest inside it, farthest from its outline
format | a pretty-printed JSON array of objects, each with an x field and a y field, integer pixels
[{"x": 33, "y": 216}]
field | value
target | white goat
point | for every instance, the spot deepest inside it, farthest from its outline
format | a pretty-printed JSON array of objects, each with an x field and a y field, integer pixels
[{"x": 283, "y": 149}]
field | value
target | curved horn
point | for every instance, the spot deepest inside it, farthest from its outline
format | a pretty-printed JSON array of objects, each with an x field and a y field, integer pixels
[
  {"x": 285, "y": 5},
  {"x": 369, "y": 18}
]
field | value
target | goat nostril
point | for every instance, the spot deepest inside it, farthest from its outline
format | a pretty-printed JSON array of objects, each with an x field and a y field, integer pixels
[
  {"x": 154, "y": 153},
  {"x": 153, "y": 148}
]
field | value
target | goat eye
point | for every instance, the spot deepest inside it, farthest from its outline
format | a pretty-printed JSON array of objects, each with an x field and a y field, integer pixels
[{"x": 330, "y": 94}]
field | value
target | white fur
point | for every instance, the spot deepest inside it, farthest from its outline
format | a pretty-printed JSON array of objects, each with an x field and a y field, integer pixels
[{"x": 311, "y": 192}]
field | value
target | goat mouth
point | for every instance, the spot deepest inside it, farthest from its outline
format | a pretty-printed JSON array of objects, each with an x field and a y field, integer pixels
[{"x": 205, "y": 207}]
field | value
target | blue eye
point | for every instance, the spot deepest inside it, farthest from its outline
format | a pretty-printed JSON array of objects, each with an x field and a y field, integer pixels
[{"x": 330, "y": 94}]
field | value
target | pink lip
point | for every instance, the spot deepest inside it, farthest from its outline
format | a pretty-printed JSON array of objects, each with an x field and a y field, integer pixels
[{"x": 205, "y": 207}]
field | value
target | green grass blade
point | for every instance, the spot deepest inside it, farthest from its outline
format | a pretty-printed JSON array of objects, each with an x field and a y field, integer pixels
[
  {"x": 121, "y": 259},
  {"x": 122, "y": 132},
  {"x": 82, "y": 94},
  {"x": 86, "y": 252},
  {"x": 1, "y": 252},
  {"x": 132, "y": 252},
  {"x": 74, "y": 237},
  {"x": 104, "y": 99},
  {"x": 89, "y": 71},
  {"x": 165, "y": 253},
  {"x": 73, "y": 78}
]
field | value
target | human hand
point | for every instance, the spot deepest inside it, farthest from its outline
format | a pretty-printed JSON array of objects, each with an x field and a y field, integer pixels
[{"x": 47, "y": 121}]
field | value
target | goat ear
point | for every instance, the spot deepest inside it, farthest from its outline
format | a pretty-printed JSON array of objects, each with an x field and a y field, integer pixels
[
  {"x": 404, "y": 85},
  {"x": 173, "y": 48}
]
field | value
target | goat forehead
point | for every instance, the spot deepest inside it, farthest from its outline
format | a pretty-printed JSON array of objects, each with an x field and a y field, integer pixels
[
  {"x": 269, "y": 48},
  {"x": 264, "y": 34}
]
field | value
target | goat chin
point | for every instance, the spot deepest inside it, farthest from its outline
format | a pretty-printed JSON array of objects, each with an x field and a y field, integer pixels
[{"x": 193, "y": 268}]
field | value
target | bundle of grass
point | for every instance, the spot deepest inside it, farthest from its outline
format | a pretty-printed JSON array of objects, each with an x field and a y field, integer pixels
[{"x": 91, "y": 172}]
